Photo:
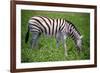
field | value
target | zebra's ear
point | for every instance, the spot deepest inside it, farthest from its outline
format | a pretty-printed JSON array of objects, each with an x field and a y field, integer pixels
[{"x": 81, "y": 36}]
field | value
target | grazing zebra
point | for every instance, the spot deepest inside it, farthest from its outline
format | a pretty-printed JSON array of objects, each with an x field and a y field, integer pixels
[{"x": 59, "y": 28}]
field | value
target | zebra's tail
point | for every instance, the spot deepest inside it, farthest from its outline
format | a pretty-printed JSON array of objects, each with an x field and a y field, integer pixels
[{"x": 27, "y": 36}]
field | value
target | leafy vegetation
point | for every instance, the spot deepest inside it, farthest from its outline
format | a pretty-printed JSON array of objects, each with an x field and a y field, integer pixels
[{"x": 47, "y": 50}]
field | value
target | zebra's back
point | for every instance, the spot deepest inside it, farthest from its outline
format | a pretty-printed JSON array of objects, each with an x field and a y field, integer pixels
[{"x": 46, "y": 25}]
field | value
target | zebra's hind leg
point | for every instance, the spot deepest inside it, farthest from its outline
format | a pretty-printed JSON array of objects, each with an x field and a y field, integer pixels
[{"x": 34, "y": 41}]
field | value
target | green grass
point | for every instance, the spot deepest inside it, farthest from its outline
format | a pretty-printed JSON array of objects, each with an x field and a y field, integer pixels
[{"x": 45, "y": 52}]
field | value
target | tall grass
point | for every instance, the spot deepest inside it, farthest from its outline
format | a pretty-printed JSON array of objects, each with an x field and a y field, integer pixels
[{"x": 47, "y": 50}]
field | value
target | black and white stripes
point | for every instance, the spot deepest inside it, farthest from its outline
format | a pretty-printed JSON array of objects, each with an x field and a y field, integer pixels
[{"x": 46, "y": 25}]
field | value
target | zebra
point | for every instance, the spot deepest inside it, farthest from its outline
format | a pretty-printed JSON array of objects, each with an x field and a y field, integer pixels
[{"x": 59, "y": 28}]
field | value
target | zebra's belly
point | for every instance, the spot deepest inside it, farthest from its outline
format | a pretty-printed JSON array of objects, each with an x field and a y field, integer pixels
[{"x": 44, "y": 33}]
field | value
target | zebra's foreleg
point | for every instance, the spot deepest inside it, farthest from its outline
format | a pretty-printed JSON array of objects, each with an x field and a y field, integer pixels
[
  {"x": 58, "y": 38},
  {"x": 64, "y": 44},
  {"x": 34, "y": 41}
]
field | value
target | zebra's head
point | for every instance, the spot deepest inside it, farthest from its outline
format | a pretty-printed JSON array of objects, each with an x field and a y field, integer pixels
[
  {"x": 74, "y": 34},
  {"x": 79, "y": 43}
]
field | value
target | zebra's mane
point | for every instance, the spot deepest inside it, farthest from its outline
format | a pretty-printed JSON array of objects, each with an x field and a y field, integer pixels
[{"x": 73, "y": 26}]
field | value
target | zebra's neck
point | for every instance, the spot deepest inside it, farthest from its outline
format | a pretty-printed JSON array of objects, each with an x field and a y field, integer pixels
[
  {"x": 75, "y": 35},
  {"x": 73, "y": 32}
]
